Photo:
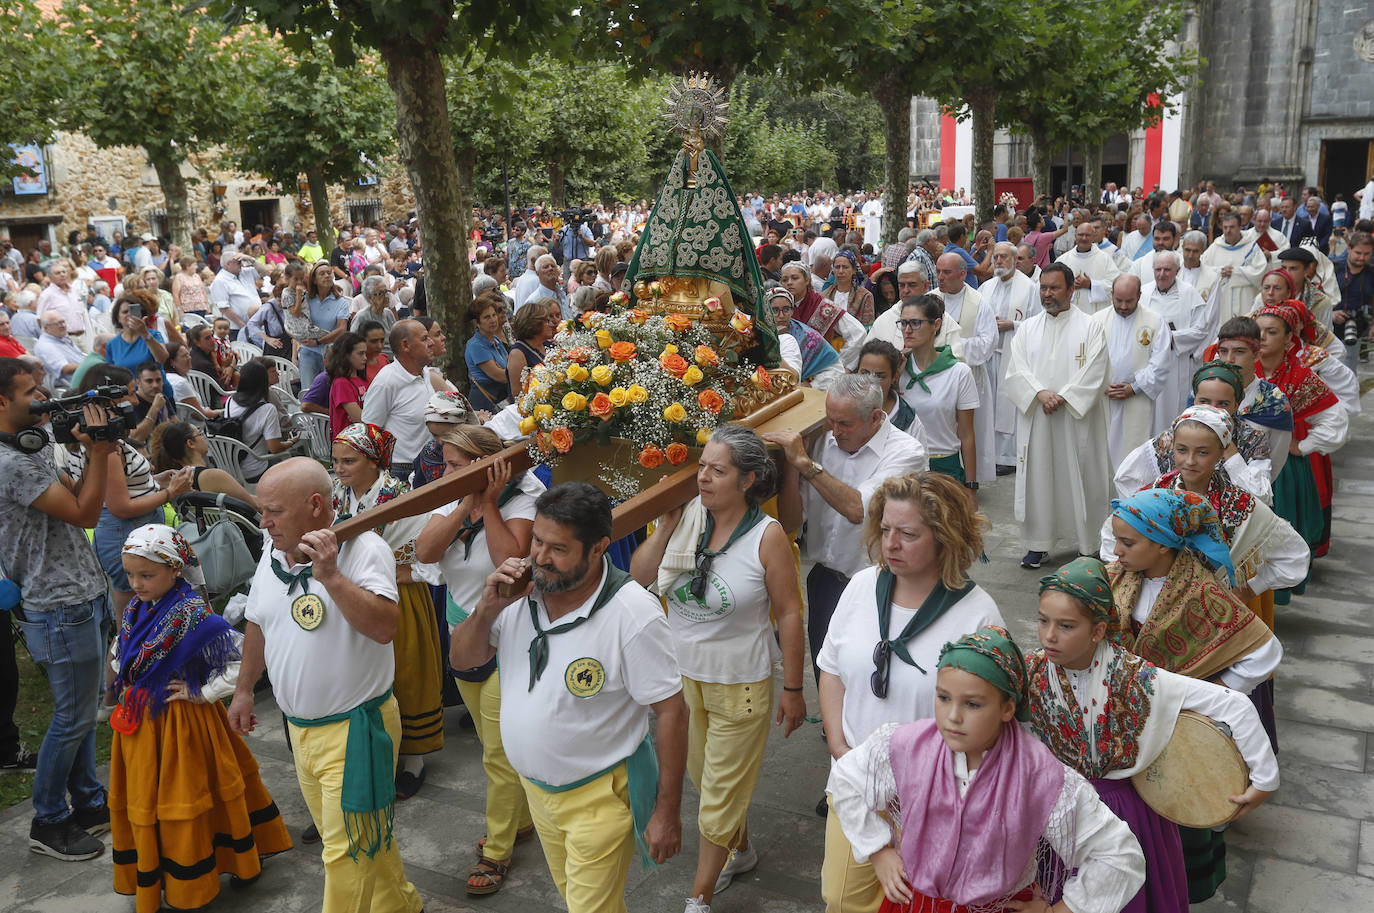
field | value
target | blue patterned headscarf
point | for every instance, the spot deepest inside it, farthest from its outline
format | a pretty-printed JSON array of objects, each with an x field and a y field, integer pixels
[{"x": 1178, "y": 520}]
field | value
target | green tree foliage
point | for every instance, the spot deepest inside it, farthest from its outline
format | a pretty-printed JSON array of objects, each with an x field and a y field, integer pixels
[
  {"x": 320, "y": 120},
  {"x": 29, "y": 112},
  {"x": 150, "y": 75},
  {"x": 850, "y": 126}
]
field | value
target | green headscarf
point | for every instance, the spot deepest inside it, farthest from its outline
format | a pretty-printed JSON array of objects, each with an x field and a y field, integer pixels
[
  {"x": 1223, "y": 371},
  {"x": 1085, "y": 579},
  {"x": 993, "y": 656}
]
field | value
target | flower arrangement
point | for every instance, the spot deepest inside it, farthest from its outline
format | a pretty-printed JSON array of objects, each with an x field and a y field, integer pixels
[
  {"x": 1008, "y": 199},
  {"x": 663, "y": 383}
]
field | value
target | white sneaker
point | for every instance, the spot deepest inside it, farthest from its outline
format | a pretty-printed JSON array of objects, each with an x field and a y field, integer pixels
[
  {"x": 697, "y": 905},
  {"x": 740, "y": 861}
]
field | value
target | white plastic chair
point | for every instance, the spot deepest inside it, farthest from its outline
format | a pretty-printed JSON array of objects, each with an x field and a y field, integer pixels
[
  {"x": 225, "y": 453},
  {"x": 188, "y": 413},
  {"x": 288, "y": 375},
  {"x": 246, "y": 351},
  {"x": 208, "y": 390},
  {"x": 193, "y": 320},
  {"x": 314, "y": 429}
]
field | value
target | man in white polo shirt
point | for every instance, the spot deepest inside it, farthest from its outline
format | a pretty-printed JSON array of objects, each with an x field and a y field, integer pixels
[
  {"x": 320, "y": 619},
  {"x": 585, "y": 653},
  {"x": 397, "y": 396}
]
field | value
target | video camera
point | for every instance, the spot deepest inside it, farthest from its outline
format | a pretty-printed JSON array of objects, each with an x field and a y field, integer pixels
[
  {"x": 64, "y": 414},
  {"x": 577, "y": 216}
]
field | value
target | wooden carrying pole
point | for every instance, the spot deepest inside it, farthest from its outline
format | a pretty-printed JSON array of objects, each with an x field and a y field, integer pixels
[{"x": 802, "y": 410}]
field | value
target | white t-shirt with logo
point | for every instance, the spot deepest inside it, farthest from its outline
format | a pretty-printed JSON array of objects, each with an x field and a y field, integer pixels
[
  {"x": 332, "y": 668},
  {"x": 726, "y": 636},
  {"x": 589, "y": 709}
]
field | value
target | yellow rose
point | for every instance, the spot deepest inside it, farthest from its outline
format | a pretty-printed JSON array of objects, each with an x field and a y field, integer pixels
[
  {"x": 576, "y": 373},
  {"x": 637, "y": 394},
  {"x": 528, "y": 424},
  {"x": 603, "y": 338},
  {"x": 603, "y": 375},
  {"x": 669, "y": 349},
  {"x": 619, "y": 396},
  {"x": 675, "y": 413},
  {"x": 703, "y": 435},
  {"x": 574, "y": 402},
  {"x": 543, "y": 411},
  {"x": 693, "y": 376}
]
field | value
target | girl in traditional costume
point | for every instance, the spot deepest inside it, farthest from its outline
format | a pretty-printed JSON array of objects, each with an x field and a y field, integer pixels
[
  {"x": 820, "y": 361},
  {"x": 1245, "y": 461},
  {"x": 958, "y": 814},
  {"x": 877, "y": 665},
  {"x": 1302, "y": 492},
  {"x": 1109, "y": 715},
  {"x": 186, "y": 801},
  {"x": 1170, "y": 551},
  {"x": 848, "y": 292},
  {"x": 837, "y": 326},
  {"x": 362, "y": 455}
]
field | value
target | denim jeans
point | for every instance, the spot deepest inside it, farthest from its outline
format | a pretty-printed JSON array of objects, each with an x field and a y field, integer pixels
[
  {"x": 68, "y": 644},
  {"x": 311, "y": 363}
]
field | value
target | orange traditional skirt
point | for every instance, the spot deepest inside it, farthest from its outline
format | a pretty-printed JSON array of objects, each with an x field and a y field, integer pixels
[{"x": 187, "y": 806}]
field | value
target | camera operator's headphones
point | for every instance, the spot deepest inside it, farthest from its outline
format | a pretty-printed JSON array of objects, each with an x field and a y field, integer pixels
[{"x": 29, "y": 441}]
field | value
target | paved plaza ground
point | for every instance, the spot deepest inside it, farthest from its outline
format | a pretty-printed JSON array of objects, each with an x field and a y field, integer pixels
[{"x": 1309, "y": 849}]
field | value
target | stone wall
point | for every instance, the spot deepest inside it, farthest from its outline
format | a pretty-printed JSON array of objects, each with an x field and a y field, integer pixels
[{"x": 87, "y": 183}]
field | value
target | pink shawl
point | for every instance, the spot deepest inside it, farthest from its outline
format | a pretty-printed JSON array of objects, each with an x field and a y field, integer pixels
[{"x": 971, "y": 850}]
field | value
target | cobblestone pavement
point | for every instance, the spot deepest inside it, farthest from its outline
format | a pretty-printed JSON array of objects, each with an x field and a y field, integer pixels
[{"x": 1309, "y": 849}]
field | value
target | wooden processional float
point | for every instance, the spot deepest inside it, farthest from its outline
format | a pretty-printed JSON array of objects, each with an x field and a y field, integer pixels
[{"x": 693, "y": 272}]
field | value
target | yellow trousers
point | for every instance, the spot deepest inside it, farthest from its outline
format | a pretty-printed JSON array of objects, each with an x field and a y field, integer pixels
[
  {"x": 507, "y": 808},
  {"x": 727, "y": 732},
  {"x": 375, "y": 885},
  {"x": 588, "y": 838},
  {"x": 846, "y": 886}
]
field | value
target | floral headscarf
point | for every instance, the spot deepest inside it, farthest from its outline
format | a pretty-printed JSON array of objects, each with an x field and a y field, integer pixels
[
  {"x": 370, "y": 440},
  {"x": 993, "y": 656},
  {"x": 1210, "y": 416},
  {"x": 450, "y": 408},
  {"x": 1290, "y": 312},
  {"x": 1085, "y": 579},
  {"x": 165, "y": 545},
  {"x": 1177, "y": 520}
]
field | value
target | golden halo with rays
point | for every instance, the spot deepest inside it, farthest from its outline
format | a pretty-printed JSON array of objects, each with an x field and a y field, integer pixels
[{"x": 697, "y": 100}]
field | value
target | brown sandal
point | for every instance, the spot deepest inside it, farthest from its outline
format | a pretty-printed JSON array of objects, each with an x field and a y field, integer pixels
[
  {"x": 521, "y": 836},
  {"x": 492, "y": 871}
]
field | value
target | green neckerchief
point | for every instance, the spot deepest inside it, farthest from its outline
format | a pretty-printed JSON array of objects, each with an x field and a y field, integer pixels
[
  {"x": 539, "y": 645},
  {"x": 944, "y": 359},
  {"x": 468, "y": 534},
  {"x": 935, "y": 605},
  {"x": 904, "y": 414},
  {"x": 302, "y": 576},
  {"x": 751, "y": 518},
  {"x": 368, "y": 797}
]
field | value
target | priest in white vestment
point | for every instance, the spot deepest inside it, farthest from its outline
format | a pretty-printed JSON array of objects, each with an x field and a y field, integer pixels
[
  {"x": 1013, "y": 298},
  {"x": 1203, "y": 278},
  {"x": 1138, "y": 349},
  {"x": 873, "y": 222},
  {"x": 1263, "y": 228},
  {"x": 911, "y": 283},
  {"x": 978, "y": 327},
  {"x": 1136, "y": 244},
  {"x": 1093, "y": 269},
  {"x": 1056, "y": 375},
  {"x": 1164, "y": 237},
  {"x": 1239, "y": 263},
  {"x": 1192, "y": 323}
]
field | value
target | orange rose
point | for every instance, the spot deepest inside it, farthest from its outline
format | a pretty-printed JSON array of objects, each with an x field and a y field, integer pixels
[
  {"x": 581, "y": 355},
  {"x": 711, "y": 401},
  {"x": 602, "y": 407},
  {"x": 562, "y": 438},
  {"x": 541, "y": 440},
  {"x": 637, "y": 316},
  {"x": 619, "y": 300},
  {"x": 679, "y": 322},
  {"x": 650, "y": 457},
  {"x": 622, "y": 351},
  {"x": 762, "y": 379},
  {"x": 676, "y": 453},
  {"x": 705, "y": 356},
  {"x": 674, "y": 364}
]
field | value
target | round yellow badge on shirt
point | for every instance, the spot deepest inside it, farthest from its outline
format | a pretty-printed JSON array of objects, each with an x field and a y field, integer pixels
[
  {"x": 308, "y": 611},
  {"x": 584, "y": 677}
]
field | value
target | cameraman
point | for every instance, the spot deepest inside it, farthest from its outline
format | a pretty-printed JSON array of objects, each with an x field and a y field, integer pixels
[
  {"x": 1356, "y": 278},
  {"x": 43, "y": 515},
  {"x": 575, "y": 241}
]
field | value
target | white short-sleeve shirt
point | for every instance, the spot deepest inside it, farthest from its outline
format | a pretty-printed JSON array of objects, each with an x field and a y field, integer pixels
[
  {"x": 590, "y": 708},
  {"x": 465, "y": 577},
  {"x": 951, "y": 390},
  {"x": 853, "y": 634},
  {"x": 334, "y": 667}
]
